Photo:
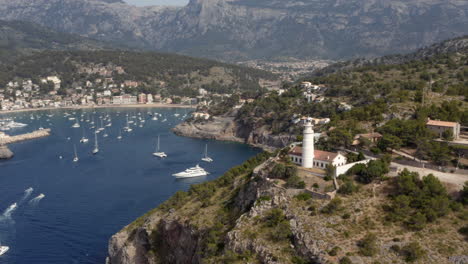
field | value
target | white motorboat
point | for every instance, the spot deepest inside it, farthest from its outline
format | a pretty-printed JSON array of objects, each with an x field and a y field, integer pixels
[
  {"x": 76, "y": 125},
  {"x": 3, "y": 249},
  {"x": 196, "y": 171},
  {"x": 75, "y": 159},
  {"x": 206, "y": 158},
  {"x": 159, "y": 153},
  {"x": 96, "y": 147}
]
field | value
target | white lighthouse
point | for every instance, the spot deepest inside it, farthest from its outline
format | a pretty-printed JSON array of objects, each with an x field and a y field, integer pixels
[{"x": 308, "y": 146}]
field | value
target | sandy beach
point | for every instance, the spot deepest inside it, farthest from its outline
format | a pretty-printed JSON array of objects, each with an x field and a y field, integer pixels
[{"x": 100, "y": 106}]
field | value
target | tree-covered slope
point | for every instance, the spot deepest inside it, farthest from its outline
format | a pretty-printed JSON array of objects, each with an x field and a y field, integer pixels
[{"x": 153, "y": 72}]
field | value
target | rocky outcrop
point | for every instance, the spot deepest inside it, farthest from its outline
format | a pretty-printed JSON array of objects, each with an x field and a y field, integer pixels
[
  {"x": 219, "y": 128},
  {"x": 237, "y": 30},
  {"x": 5, "y": 152},
  {"x": 226, "y": 128}
]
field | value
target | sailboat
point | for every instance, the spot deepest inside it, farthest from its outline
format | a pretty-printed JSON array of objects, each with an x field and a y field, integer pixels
[
  {"x": 84, "y": 139},
  {"x": 158, "y": 153},
  {"x": 120, "y": 135},
  {"x": 206, "y": 158},
  {"x": 96, "y": 147},
  {"x": 127, "y": 128},
  {"x": 75, "y": 159}
]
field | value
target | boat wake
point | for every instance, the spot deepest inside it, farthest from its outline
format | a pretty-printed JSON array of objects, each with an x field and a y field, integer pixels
[
  {"x": 7, "y": 213},
  {"x": 26, "y": 195},
  {"x": 36, "y": 200}
]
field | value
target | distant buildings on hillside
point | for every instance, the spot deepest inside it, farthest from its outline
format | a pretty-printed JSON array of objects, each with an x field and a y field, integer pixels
[{"x": 441, "y": 127}]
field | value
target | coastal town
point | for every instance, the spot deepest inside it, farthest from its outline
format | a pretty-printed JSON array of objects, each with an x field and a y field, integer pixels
[{"x": 28, "y": 95}]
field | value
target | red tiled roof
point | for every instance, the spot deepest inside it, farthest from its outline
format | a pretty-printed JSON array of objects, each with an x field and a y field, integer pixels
[
  {"x": 441, "y": 123},
  {"x": 318, "y": 154}
]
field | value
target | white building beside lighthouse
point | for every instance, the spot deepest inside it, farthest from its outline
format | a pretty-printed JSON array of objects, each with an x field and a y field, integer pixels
[{"x": 308, "y": 157}]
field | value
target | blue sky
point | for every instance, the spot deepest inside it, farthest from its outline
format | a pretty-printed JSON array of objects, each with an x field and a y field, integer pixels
[{"x": 156, "y": 2}]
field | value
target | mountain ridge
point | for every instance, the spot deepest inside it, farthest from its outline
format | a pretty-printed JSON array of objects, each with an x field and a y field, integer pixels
[
  {"x": 19, "y": 38},
  {"x": 236, "y": 30}
]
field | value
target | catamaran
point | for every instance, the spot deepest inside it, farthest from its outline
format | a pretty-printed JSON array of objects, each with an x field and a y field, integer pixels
[
  {"x": 75, "y": 159},
  {"x": 206, "y": 158},
  {"x": 96, "y": 147},
  {"x": 159, "y": 153},
  {"x": 3, "y": 249},
  {"x": 196, "y": 171}
]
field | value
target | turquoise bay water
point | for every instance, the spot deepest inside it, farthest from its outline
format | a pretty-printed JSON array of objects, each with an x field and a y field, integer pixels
[{"x": 88, "y": 201}]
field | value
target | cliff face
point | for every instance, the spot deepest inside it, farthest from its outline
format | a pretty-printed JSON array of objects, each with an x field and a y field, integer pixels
[
  {"x": 240, "y": 29},
  {"x": 251, "y": 218},
  {"x": 227, "y": 128}
]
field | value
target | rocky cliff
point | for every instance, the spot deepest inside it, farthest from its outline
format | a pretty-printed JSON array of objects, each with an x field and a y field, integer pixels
[
  {"x": 240, "y": 29},
  {"x": 228, "y": 128},
  {"x": 247, "y": 217}
]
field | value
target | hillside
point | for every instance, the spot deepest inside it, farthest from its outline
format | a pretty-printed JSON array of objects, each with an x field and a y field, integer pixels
[
  {"x": 146, "y": 71},
  {"x": 238, "y": 30},
  {"x": 456, "y": 45},
  {"x": 19, "y": 38},
  {"x": 259, "y": 217},
  {"x": 395, "y": 99}
]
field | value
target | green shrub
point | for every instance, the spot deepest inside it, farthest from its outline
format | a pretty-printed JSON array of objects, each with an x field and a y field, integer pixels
[
  {"x": 348, "y": 187},
  {"x": 295, "y": 182},
  {"x": 303, "y": 196},
  {"x": 368, "y": 245},
  {"x": 345, "y": 260},
  {"x": 333, "y": 206},
  {"x": 464, "y": 231},
  {"x": 412, "y": 252},
  {"x": 334, "y": 251}
]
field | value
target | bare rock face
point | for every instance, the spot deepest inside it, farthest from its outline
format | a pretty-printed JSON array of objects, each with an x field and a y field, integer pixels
[
  {"x": 5, "y": 153},
  {"x": 239, "y": 29},
  {"x": 226, "y": 128}
]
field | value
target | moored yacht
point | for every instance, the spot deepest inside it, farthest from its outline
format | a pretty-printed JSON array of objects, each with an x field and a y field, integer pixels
[
  {"x": 159, "y": 153},
  {"x": 196, "y": 171},
  {"x": 206, "y": 158}
]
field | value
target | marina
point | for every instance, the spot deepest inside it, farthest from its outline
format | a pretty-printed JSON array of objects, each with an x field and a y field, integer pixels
[{"x": 73, "y": 208}]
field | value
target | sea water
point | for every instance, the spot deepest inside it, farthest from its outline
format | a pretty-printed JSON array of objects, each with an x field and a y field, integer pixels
[{"x": 86, "y": 202}]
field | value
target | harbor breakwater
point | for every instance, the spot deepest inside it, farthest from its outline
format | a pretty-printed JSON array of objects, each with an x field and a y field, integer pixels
[{"x": 6, "y": 153}]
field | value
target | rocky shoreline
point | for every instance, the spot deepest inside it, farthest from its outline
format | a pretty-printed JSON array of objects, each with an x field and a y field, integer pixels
[
  {"x": 226, "y": 128},
  {"x": 5, "y": 152}
]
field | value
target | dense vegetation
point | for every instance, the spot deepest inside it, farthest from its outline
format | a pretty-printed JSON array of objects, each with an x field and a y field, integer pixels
[
  {"x": 416, "y": 202},
  {"x": 156, "y": 72}
]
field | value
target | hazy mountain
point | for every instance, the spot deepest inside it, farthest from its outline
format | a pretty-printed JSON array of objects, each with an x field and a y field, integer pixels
[
  {"x": 246, "y": 29},
  {"x": 23, "y": 38}
]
